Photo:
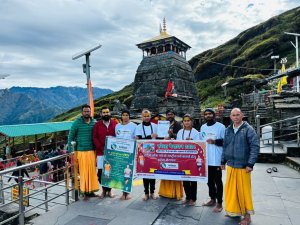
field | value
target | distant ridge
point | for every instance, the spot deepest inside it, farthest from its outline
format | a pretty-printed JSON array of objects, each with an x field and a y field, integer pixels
[{"x": 34, "y": 105}]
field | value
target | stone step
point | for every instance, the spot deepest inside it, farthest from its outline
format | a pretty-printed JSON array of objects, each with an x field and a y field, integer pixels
[{"x": 293, "y": 162}]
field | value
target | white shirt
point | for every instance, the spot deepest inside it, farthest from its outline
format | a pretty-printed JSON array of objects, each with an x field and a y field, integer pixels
[
  {"x": 140, "y": 131},
  {"x": 183, "y": 134},
  {"x": 125, "y": 131},
  {"x": 214, "y": 132}
]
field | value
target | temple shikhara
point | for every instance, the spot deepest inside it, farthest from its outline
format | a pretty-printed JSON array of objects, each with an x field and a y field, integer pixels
[{"x": 164, "y": 78}]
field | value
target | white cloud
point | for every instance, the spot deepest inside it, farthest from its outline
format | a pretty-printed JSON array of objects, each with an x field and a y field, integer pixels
[{"x": 38, "y": 38}]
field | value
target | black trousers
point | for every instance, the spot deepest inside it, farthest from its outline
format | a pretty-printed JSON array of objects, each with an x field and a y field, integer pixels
[
  {"x": 190, "y": 189},
  {"x": 147, "y": 183},
  {"x": 99, "y": 174},
  {"x": 215, "y": 184}
]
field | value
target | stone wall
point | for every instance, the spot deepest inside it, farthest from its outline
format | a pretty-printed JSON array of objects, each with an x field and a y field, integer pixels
[{"x": 151, "y": 82}]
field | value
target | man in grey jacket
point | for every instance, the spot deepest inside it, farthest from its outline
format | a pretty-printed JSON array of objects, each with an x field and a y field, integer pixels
[{"x": 240, "y": 150}]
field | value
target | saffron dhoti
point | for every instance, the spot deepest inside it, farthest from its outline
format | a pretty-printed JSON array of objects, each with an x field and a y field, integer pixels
[
  {"x": 171, "y": 189},
  {"x": 238, "y": 196},
  {"x": 87, "y": 171}
]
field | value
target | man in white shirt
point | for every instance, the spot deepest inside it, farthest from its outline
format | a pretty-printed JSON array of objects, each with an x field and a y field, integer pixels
[{"x": 213, "y": 133}]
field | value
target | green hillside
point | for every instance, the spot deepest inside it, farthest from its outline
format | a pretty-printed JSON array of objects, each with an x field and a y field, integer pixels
[
  {"x": 124, "y": 96},
  {"x": 243, "y": 62}
]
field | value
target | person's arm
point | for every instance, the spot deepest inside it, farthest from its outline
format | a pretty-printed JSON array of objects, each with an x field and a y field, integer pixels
[
  {"x": 26, "y": 173},
  {"x": 223, "y": 160},
  {"x": 253, "y": 143},
  {"x": 96, "y": 140},
  {"x": 220, "y": 141},
  {"x": 138, "y": 133},
  {"x": 72, "y": 135}
]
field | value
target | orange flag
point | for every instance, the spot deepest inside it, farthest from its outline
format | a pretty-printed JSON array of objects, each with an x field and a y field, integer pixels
[{"x": 91, "y": 98}]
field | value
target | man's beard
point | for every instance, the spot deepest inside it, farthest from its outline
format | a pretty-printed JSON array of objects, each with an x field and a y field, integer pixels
[
  {"x": 106, "y": 118},
  {"x": 171, "y": 119}
]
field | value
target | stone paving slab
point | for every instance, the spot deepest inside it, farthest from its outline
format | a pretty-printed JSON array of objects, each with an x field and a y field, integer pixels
[{"x": 276, "y": 202}]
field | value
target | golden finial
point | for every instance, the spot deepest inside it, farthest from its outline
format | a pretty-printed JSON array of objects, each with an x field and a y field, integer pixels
[{"x": 160, "y": 29}]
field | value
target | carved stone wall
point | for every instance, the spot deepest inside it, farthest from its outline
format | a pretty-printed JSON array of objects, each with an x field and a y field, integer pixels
[{"x": 151, "y": 82}]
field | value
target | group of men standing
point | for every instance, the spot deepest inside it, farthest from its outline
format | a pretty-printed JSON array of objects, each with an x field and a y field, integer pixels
[{"x": 236, "y": 146}]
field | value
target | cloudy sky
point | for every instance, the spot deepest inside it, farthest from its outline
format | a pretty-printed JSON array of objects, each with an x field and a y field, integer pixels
[{"x": 39, "y": 37}]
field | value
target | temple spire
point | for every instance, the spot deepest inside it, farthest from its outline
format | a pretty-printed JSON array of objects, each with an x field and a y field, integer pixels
[
  {"x": 160, "y": 29},
  {"x": 164, "y": 25}
]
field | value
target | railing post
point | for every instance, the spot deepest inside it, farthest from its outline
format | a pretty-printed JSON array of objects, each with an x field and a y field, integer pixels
[
  {"x": 298, "y": 132},
  {"x": 258, "y": 125},
  {"x": 46, "y": 199},
  {"x": 273, "y": 141},
  {"x": 67, "y": 189},
  {"x": 21, "y": 206},
  {"x": 2, "y": 199}
]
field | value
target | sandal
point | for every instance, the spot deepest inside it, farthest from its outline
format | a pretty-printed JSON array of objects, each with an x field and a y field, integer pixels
[
  {"x": 269, "y": 170},
  {"x": 275, "y": 169}
]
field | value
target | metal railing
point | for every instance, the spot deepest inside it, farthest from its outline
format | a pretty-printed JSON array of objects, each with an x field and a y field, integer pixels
[
  {"x": 282, "y": 129},
  {"x": 62, "y": 186}
]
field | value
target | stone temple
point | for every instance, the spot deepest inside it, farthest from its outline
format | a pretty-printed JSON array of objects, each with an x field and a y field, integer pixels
[{"x": 164, "y": 78}]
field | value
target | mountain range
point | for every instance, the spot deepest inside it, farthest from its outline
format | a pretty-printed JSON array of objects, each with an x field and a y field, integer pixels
[{"x": 34, "y": 105}]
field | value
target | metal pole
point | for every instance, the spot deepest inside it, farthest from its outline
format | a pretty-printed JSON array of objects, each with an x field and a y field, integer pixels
[
  {"x": 87, "y": 58},
  {"x": 2, "y": 199},
  {"x": 273, "y": 141},
  {"x": 298, "y": 131},
  {"x": 21, "y": 206},
  {"x": 258, "y": 125},
  {"x": 297, "y": 62},
  {"x": 67, "y": 191},
  {"x": 46, "y": 199}
]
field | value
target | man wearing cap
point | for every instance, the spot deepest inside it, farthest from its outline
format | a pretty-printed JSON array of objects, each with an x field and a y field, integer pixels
[
  {"x": 213, "y": 133},
  {"x": 241, "y": 148}
]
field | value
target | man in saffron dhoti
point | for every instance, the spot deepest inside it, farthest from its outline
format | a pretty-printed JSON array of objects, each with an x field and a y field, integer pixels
[
  {"x": 81, "y": 132},
  {"x": 240, "y": 150}
]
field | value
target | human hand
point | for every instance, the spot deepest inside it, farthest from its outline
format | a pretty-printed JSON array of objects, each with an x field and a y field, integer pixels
[
  {"x": 210, "y": 141},
  {"x": 223, "y": 167},
  {"x": 249, "y": 169},
  {"x": 154, "y": 135}
]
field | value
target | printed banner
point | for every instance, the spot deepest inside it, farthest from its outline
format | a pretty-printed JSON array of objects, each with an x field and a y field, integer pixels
[
  {"x": 118, "y": 163},
  {"x": 172, "y": 160},
  {"x": 15, "y": 195}
]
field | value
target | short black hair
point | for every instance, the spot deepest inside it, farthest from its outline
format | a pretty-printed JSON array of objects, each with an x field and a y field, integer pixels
[
  {"x": 104, "y": 107},
  {"x": 125, "y": 111},
  {"x": 85, "y": 106},
  {"x": 170, "y": 111}
]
